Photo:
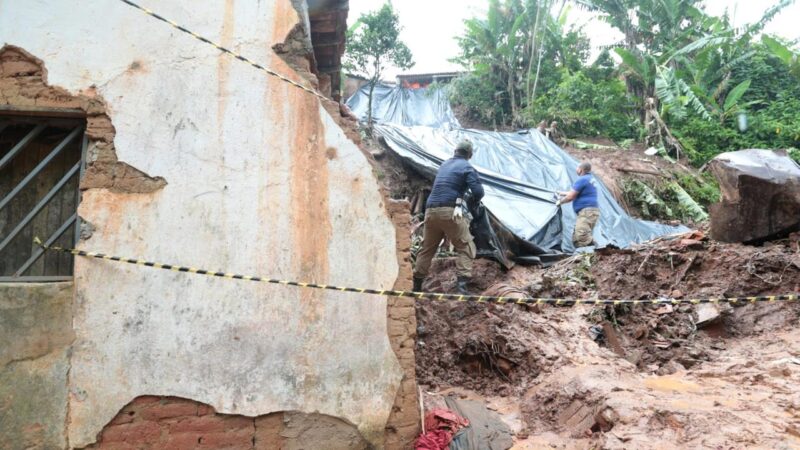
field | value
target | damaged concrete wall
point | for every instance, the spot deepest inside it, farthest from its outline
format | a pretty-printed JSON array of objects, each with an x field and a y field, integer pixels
[
  {"x": 255, "y": 177},
  {"x": 36, "y": 334}
]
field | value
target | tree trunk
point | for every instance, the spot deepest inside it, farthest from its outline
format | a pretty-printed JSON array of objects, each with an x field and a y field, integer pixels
[
  {"x": 541, "y": 50},
  {"x": 512, "y": 94},
  {"x": 369, "y": 106},
  {"x": 533, "y": 50}
]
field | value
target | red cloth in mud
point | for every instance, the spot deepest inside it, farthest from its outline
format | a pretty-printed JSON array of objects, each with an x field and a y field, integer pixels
[{"x": 440, "y": 425}]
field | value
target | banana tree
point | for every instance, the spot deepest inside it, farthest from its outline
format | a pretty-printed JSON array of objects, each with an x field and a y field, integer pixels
[
  {"x": 652, "y": 29},
  {"x": 784, "y": 53},
  {"x": 705, "y": 66}
]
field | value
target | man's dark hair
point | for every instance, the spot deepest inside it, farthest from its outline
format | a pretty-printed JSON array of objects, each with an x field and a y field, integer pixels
[{"x": 585, "y": 167}]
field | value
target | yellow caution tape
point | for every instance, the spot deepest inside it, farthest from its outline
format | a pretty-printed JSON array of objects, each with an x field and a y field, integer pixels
[
  {"x": 224, "y": 50},
  {"x": 391, "y": 293},
  {"x": 427, "y": 295}
]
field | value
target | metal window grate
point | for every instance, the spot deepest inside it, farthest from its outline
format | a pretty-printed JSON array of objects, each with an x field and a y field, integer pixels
[{"x": 41, "y": 161}]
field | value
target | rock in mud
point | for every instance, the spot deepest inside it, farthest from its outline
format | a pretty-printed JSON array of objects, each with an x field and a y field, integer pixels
[
  {"x": 707, "y": 314},
  {"x": 760, "y": 196}
]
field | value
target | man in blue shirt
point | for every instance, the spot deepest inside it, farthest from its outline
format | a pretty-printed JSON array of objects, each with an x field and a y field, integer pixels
[
  {"x": 584, "y": 195},
  {"x": 444, "y": 217}
]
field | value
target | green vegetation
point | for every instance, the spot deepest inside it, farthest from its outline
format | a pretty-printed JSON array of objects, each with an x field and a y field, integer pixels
[
  {"x": 373, "y": 43},
  {"x": 715, "y": 87},
  {"x": 686, "y": 198}
]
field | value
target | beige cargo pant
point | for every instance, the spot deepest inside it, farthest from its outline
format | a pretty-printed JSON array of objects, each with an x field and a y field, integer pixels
[
  {"x": 439, "y": 223},
  {"x": 587, "y": 218}
]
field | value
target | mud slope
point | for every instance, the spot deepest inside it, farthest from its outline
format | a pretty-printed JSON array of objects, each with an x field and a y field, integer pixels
[{"x": 654, "y": 378}]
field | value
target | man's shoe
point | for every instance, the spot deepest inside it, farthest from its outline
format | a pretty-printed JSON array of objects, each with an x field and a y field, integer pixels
[
  {"x": 461, "y": 285},
  {"x": 418, "y": 284}
]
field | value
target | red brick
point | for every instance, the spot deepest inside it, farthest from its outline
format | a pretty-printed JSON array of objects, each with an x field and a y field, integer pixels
[
  {"x": 19, "y": 68},
  {"x": 123, "y": 417},
  {"x": 210, "y": 424},
  {"x": 145, "y": 400},
  {"x": 242, "y": 439},
  {"x": 160, "y": 411},
  {"x": 117, "y": 446},
  {"x": 204, "y": 410},
  {"x": 138, "y": 432},
  {"x": 182, "y": 441}
]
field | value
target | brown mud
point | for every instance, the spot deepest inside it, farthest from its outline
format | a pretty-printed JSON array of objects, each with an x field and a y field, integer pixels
[
  {"x": 614, "y": 377},
  {"x": 649, "y": 376}
]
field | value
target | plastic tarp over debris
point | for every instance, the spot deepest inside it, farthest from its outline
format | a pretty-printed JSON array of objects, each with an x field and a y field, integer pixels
[
  {"x": 426, "y": 107},
  {"x": 520, "y": 172}
]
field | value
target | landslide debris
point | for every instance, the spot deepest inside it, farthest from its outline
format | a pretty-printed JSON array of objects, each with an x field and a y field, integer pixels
[{"x": 581, "y": 374}]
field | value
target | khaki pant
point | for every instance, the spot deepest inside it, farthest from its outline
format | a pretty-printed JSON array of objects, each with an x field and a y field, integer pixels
[
  {"x": 587, "y": 218},
  {"x": 438, "y": 224}
]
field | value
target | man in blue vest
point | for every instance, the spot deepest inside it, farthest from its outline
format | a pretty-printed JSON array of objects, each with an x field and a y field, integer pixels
[
  {"x": 444, "y": 217},
  {"x": 584, "y": 196}
]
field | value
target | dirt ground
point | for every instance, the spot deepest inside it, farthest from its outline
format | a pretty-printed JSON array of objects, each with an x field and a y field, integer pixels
[{"x": 651, "y": 376}]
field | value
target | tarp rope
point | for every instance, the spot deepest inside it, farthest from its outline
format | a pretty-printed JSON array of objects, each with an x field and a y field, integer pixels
[{"x": 422, "y": 295}]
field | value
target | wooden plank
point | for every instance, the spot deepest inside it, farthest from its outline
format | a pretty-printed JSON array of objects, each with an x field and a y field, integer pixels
[
  {"x": 40, "y": 112},
  {"x": 23, "y": 163},
  {"x": 40, "y": 186},
  {"x": 6, "y": 142},
  {"x": 52, "y": 213}
]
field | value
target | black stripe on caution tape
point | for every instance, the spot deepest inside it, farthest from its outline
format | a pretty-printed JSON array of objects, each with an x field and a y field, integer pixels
[
  {"x": 223, "y": 49},
  {"x": 428, "y": 295}
]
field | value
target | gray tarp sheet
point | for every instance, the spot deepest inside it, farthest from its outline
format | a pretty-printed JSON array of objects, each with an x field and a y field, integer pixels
[
  {"x": 425, "y": 107},
  {"x": 520, "y": 171}
]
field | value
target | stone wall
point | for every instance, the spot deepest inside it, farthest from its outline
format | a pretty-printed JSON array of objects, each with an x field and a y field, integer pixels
[{"x": 226, "y": 168}]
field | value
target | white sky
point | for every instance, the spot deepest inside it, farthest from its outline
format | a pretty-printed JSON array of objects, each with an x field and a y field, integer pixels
[{"x": 429, "y": 26}]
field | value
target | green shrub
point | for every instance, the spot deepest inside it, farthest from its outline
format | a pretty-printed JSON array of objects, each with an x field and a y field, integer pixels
[
  {"x": 704, "y": 191},
  {"x": 583, "y": 107},
  {"x": 479, "y": 99},
  {"x": 687, "y": 198},
  {"x": 794, "y": 154},
  {"x": 777, "y": 126}
]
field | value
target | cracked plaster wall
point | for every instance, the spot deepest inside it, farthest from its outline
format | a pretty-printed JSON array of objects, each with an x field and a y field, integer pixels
[{"x": 252, "y": 187}]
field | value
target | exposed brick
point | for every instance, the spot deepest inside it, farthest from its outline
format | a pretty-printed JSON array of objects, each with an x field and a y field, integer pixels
[
  {"x": 269, "y": 431},
  {"x": 137, "y": 432},
  {"x": 99, "y": 128},
  {"x": 204, "y": 410},
  {"x": 210, "y": 424},
  {"x": 160, "y": 411},
  {"x": 182, "y": 441},
  {"x": 58, "y": 101},
  {"x": 123, "y": 417},
  {"x": 23, "y": 84},
  {"x": 19, "y": 68},
  {"x": 140, "y": 402},
  {"x": 228, "y": 440},
  {"x": 117, "y": 446}
]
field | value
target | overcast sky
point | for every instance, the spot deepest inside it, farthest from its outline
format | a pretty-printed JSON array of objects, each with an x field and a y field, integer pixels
[{"x": 429, "y": 26}]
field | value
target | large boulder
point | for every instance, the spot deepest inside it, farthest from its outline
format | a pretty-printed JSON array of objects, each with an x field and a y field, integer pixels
[{"x": 760, "y": 196}]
